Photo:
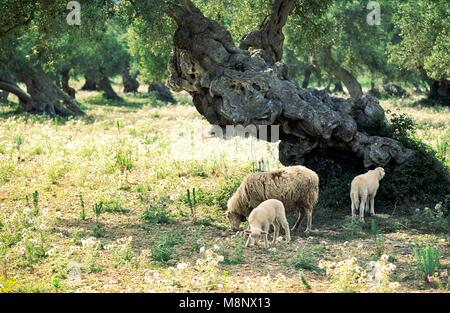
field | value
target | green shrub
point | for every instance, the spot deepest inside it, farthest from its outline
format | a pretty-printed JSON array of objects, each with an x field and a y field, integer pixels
[
  {"x": 352, "y": 228},
  {"x": 225, "y": 191},
  {"x": 305, "y": 261},
  {"x": 113, "y": 206},
  {"x": 163, "y": 250},
  {"x": 157, "y": 213},
  {"x": 238, "y": 255}
]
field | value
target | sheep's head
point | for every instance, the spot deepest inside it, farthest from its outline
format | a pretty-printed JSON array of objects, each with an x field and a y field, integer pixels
[
  {"x": 380, "y": 172},
  {"x": 235, "y": 220},
  {"x": 254, "y": 235},
  {"x": 232, "y": 214}
]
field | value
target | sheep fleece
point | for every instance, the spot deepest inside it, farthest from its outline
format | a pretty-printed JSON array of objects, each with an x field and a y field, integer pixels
[{"x": 296, "y": 186}]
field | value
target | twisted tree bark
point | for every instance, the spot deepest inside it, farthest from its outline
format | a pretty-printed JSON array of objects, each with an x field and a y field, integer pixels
[
  {"x": 105, "y": 85},
  {"x": 130, "y": 83},
  {"x": 65, "y": 77},
  {"x": 231, "y": 85},
  {"x": 42, "y": 96},
  {"x": 89, "y": 84}
]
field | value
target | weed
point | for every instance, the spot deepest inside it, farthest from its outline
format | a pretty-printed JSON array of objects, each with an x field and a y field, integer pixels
[
  {"x": 36, "y": 203},
  {"x": 304, "y": 281},
  {"x": 305, "y": 261},
  {"x": 163, "y": 250},
  {"x": 157, "y": 213},
  {"x": 192, "y": 203},
  {"x": 377, "y": 237},
  {"x": 82, "y": 213},
  {"x": 238, "y": 255},
  {"x": 98, "y": 210},
  {"x": 427, "y": 260},
  {"x": 352, "y": 228}
]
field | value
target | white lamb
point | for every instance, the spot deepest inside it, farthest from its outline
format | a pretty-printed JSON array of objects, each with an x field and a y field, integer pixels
[
  {"x": 269, "y": 212},
  {"x": 364, "y": 189}
]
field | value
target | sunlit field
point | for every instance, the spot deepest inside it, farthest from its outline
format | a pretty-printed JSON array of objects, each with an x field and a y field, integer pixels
[{"x": 131, "y": 198}]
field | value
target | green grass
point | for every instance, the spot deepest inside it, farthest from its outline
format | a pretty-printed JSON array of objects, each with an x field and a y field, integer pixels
[{"x": 136, "y": 160}]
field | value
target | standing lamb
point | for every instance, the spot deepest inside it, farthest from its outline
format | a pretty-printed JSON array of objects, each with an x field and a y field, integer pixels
[
  {"x": 364, "y": 189},
  {"x": 297, "y": 187},
  {"x": 270, "y": 212}
]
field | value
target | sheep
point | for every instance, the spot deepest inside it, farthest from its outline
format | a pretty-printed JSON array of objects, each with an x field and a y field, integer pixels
[
  {"x": 364, "y": 189},
  {"x": 270, "y": 212},
  {"x": 297, "y": 187}
]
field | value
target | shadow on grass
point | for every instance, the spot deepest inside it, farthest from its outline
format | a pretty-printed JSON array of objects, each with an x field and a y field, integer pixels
[
  {"x": 427, "y": 102},
  {"x": 133, "y": 101},
  {"x": 101, "y": 100}
]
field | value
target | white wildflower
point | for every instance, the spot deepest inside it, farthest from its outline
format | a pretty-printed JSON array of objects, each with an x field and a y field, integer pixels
[{"x": 182, "y": 266}]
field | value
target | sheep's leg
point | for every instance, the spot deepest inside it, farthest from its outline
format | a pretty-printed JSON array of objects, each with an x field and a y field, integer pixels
[
  {"x": 372, "y": 205},
  {"x": 355, "y": 204},
  {"x": 301, "y": 215},
  {"x": 362, "y": 205},
  {"x": 285, "y": 225},
  {"x": 276, "y": 229},
  {"x": 248, "y": 241},
  {"x": 309, "y": 221}
]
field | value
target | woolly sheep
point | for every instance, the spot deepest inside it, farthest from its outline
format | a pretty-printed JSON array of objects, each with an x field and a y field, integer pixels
[
  {"x": 270, "y": 212},
  {"x": 297, "y": 187},
  {"x": 363, "y": 190}
]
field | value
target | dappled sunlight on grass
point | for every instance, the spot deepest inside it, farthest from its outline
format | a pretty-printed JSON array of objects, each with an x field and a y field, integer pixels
[{"x": 136, "y": 167}]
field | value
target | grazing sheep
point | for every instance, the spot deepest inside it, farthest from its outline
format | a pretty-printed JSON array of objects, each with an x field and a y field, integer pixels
[
  {"x": 297, "y": 187},
  {"x": 364, "y": 189},
  {"x": 270, "y": 212}
]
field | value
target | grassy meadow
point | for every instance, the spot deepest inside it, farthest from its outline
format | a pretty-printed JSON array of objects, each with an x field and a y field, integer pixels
[{"x": 131, "y": 198}]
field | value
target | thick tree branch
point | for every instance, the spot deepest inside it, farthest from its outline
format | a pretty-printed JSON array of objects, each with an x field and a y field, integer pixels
[
  {"x": 234, "y": 86},
  {"x": 14, "y": 89},
  {"x": 270, "y": 36}
]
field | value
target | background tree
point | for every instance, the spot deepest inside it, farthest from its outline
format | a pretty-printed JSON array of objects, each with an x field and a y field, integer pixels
[{"x": 424, "y": 45}]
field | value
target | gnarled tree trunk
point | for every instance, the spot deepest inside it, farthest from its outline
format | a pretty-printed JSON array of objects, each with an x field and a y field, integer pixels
[
  {"x": 42, "y": 96},
  {"x": 89, "y": 83},
  {"x": 440, "y": 90},
  {"x": 231, "y": 85},
  {"x": 348, "y": 80},
  {"x": 105, "y": 85},
  {"x": 338, "y": 87},
  {"x": 130, "y": 83},
  {"x": 65, "y": 77},
  {"x": 161, "y": 92}
]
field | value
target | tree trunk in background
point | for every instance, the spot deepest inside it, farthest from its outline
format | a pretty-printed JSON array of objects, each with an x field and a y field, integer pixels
[
  {"x": 341, "y": 74},
  {"x": 4, "y": 96},
  {"x": 89, "y": 84},
  {"x": 105, "y": 85},
  {"x": 162, "y": 92},
  {"x": 307, "y": 75},
  {"x": 42, "y": 96},
  {"x": 65, "y": 77},
  {"x": 45, "y": 96},
  {"x": 232, "y": 86},
  {"x": 338, "y": 87},
  {"x": 130, "y": 83},
  {"x": 11, "y": 87},
  {"x": 440, "y": 90},
  {"x": 349, "y": 81}
]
